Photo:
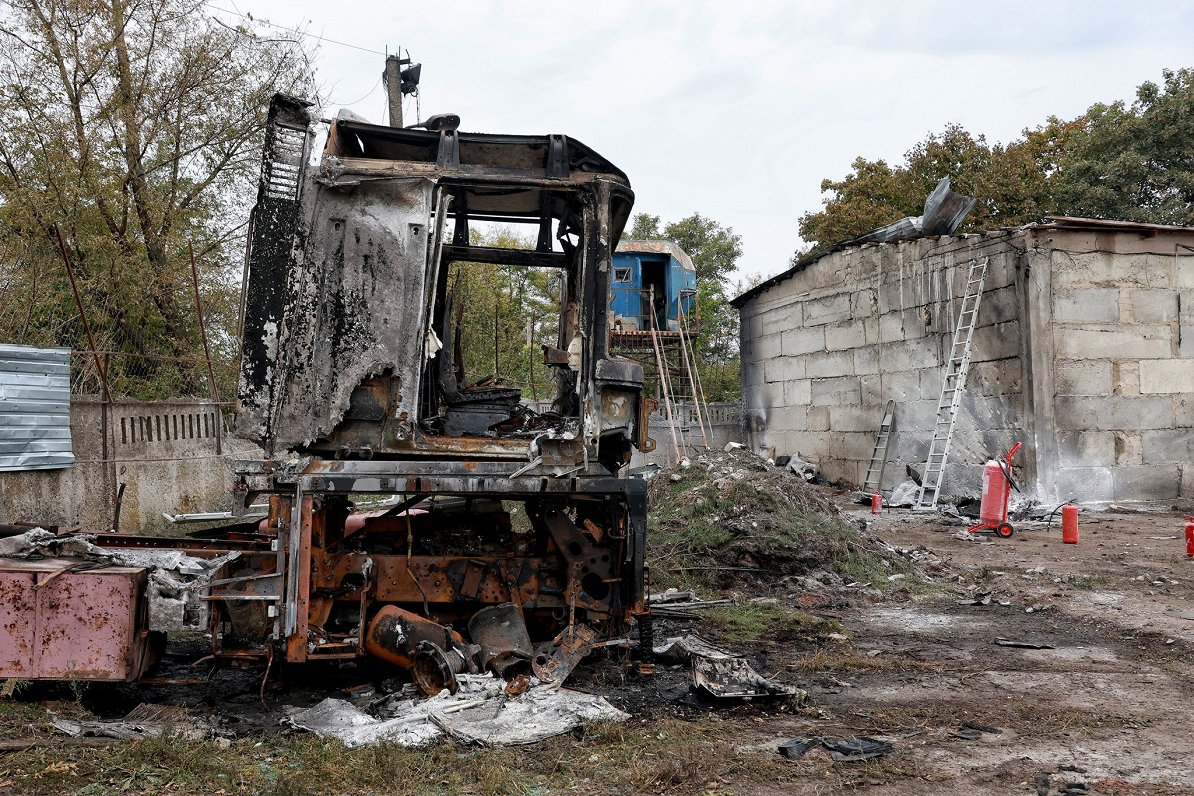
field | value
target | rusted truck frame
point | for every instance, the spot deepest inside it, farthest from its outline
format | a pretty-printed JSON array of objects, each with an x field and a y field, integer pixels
[{"x": 347, "y": 384}]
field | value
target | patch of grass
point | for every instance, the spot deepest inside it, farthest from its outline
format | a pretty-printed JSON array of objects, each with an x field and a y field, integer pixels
[
  {"x": 752, "y": 621},
  {"x": 902, "y": 765},
  {"x": 846, "y": 659},
  {"x": 13, "y": 686},
  {"x": 1087, "y": 582},
  {"x": 16, "y": 717},
  {"x": 665, "y": 756}
]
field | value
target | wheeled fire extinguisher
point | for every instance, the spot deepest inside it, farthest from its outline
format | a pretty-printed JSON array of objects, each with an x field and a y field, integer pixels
[{"x": 997, "y": 491}]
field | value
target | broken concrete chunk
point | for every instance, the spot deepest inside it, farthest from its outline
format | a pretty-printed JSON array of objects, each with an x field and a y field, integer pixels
[{"x": 806, "y": 470}]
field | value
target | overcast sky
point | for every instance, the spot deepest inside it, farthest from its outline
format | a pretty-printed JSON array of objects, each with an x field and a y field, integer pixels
[{"x": 738, "y": 110}]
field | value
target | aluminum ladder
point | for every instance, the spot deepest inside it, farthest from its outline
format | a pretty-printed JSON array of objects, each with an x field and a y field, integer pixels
[
  {"x": 873, "y": 481},
  {"x": 951, "y": 388}
]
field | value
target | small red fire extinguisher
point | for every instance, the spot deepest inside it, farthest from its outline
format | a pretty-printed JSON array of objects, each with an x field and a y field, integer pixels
[
  {"x": 1069, "y": 524},
  {"x": 876, "y": 503},
  {"x": 1190, "y": 537}
]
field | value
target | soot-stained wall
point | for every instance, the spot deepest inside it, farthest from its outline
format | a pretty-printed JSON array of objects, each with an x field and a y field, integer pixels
[{"x": 1084, "y": 350}]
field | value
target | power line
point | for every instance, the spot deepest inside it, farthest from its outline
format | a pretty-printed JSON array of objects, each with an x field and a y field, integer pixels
[
  {"x": 367, "y": 96},
  {"x": 295, "y": 31}
]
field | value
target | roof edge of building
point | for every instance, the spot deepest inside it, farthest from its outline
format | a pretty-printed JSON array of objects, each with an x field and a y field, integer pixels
[{"x": 1060, "y": 223}]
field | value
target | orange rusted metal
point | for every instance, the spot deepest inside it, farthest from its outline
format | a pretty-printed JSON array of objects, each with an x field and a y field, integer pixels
[{"x": 395, "y": 633}]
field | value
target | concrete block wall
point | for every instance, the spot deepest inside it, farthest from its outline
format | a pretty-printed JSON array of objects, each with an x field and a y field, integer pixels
[
  {"x": 1122, "y": 335},
  {"x": 163, "y": 451},
  {"x": 723, "y": 421},
  {"x": 824, "y": 350}
]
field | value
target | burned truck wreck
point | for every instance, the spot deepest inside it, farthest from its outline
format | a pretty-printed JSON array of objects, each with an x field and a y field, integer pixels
[{"x": 511, "y": 539}]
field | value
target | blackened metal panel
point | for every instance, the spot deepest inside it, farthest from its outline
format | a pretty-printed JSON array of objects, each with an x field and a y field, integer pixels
[
  {"x": 34, "y": 408},
  {"x": 274, "y": 238},
  {"x": 337, "y": 288},
  {"x": 355, "y": 306}
]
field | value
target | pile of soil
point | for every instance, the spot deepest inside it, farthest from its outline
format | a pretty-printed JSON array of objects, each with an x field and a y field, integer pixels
[{"x": 728, "y": 519}]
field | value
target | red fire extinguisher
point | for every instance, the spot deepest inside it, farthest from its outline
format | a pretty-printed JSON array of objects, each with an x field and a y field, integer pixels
[
  {"x": 1069, "y": 524},
  {"x": 876, "y": 503},
  {"x": 1190, "y": 537},
  {"x": 997, "y": 491}
]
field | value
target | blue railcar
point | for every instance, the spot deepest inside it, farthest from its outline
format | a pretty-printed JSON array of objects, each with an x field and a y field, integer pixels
[{"x": 646, "y": 270}]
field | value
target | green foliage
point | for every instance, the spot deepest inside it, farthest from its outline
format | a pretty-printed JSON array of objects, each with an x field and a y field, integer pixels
[
  {"x": 760, "y": 620},
  {"x": 1134, "y": 162},
  {"x": 134, "y": 128},
  {"x": 1008, "y": 182},
  {"x": 1115, "y": 161},
  {"x": 715, "y": 251},
  {"x": 508, "y": 313}
]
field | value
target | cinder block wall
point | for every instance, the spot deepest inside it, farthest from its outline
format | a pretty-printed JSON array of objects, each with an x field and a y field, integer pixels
[
  {"x": 825, "y": 349},
  {"x": 723, "y": 424},
  {"x": 163, "y": 451},
  {"x": 1122, "y": 338}
]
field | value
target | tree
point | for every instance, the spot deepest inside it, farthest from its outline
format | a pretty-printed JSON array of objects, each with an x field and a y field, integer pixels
[
  {"x": 1115, "y": 161},
  {"x": 1008, "y": 183},
  {"x": 506, "y": 313},
  {"x": 714, "y": 250},
  {"x": 135, "y": 129},
  {"x": 1134, "y": 163}
]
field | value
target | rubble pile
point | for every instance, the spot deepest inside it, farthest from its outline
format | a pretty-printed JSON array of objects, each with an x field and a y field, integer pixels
[{"x": 728, "y": 519}]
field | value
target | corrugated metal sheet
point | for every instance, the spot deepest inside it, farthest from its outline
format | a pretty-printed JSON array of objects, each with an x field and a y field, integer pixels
[{"x": 34, "y": 408}]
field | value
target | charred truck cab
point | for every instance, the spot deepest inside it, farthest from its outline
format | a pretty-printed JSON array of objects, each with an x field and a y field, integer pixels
[{"x": 500, "y": 515}]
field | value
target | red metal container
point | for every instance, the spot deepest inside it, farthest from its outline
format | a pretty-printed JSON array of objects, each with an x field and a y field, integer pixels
[
  {"x": 1190, "y": 537},
  {"x": 57, "y": 624},
  {"x": 1069, "y": 524},
  {"x": 876, "y": 503}
]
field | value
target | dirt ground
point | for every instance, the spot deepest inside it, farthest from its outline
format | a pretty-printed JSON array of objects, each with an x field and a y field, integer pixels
[
  {"x": 1106, "y": 705},
  {"x": 1102, "y": 707}
]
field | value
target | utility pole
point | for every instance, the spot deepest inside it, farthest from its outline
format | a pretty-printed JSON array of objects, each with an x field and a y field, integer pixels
[{"x": 393, "y": 78}]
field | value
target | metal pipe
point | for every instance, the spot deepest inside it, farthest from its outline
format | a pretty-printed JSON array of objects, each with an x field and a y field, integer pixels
[
  {"x": 70, "y": 272},
  {"x": 211, "y": 375}
]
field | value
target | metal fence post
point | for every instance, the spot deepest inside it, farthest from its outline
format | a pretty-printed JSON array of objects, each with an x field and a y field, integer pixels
[{"x": 211, "y": 376}]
